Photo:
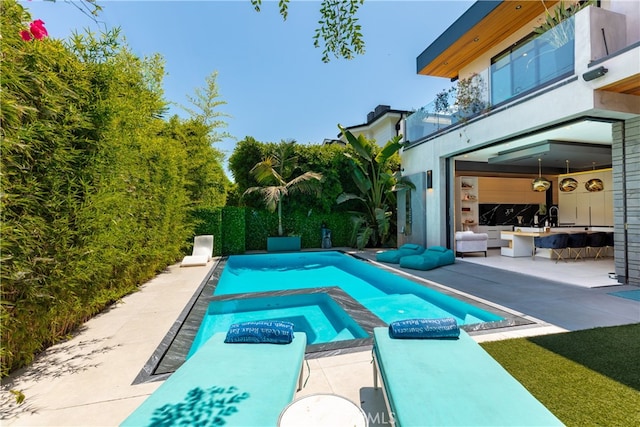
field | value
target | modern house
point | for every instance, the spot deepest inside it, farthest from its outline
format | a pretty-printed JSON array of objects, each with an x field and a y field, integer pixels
[
  {"x": 560, "y": 106},
  {"x": 383, "y": 123}
]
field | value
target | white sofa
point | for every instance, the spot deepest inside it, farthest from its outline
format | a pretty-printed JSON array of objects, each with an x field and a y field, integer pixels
[{"x": 468, "y": 241}]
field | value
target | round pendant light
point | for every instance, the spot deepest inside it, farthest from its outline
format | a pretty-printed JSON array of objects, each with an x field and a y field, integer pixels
[
  {"x": 540, "y": 184},
  {"x": 568, "y": 184},
  {"x": 594, "y": 184}
]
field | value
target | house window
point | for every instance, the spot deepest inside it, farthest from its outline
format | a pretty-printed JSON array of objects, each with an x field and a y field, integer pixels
[{"x": 533, "y": 62}]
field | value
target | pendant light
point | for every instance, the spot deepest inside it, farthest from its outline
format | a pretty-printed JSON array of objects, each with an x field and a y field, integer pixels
[
  {"x": 540, "y": 184},
  {"x": 594, "y": 184},
  {"x": 568, "y": 184}
]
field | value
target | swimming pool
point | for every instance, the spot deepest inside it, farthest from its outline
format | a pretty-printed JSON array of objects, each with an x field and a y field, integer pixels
[
  {"x": 387, "y": 296},
  {"x": 172, "y": 351}
]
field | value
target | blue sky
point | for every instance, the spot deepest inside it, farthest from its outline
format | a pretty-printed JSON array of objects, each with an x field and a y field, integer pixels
[{"x": 271, "y": 77}]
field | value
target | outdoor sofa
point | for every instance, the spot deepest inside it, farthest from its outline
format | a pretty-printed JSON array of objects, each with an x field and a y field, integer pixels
[
  {"x": 393, "y": 256},
  {"x": 433, "y": 257}
]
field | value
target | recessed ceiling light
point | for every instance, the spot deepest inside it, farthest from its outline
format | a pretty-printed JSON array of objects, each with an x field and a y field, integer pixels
[
  {"x": 518, "y": 7},
  {"x": 476, "y": 39}
]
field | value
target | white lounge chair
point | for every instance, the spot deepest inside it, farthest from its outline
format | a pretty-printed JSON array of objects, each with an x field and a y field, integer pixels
[{"x": 202, "y": 251}]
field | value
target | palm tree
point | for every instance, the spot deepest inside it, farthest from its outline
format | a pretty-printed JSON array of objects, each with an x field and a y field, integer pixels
[
  {"x": 274, "y": 173},
  {"x": 376, "y": 183}
]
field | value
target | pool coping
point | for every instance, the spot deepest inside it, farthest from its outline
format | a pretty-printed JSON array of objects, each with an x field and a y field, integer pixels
[{"x": 173, "y": 349}]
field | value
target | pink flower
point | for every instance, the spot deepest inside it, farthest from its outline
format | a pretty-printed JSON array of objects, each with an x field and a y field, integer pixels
[
  {"x": 38, "y": 30},
  {"x": 26, "y": 35}
]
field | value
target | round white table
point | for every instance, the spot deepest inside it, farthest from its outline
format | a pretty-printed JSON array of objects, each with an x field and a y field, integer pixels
[{"x": 322, "y": 410}]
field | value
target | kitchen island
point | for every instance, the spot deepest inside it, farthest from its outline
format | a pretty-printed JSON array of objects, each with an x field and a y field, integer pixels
[{"x": 521, "y": 241}]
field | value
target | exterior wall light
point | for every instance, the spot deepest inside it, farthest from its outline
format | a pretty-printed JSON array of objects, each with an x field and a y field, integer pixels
[{"x": 594, "y": 74}]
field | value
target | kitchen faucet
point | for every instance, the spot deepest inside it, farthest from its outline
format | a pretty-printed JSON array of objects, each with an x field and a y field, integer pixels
[{"x": 553, "y": 215}]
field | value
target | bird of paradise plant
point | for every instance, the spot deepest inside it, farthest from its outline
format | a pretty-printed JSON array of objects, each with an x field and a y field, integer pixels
[{"x": 376, "y": 181}]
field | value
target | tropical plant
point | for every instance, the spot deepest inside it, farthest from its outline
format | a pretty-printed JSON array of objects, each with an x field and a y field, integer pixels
[
  {"x": 561, "y": 33},
  {"x": 373, "y": 173},
  {"x": 274, "y": 175}
]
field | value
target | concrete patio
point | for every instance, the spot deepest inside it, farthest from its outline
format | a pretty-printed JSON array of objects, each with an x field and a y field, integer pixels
[{"x": 87, "y": 380}]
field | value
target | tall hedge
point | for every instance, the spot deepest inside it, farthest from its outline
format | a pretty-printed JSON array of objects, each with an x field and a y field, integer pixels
[
  {"x": 261, "y": 224},
  {"x": 95, "y": 190}
]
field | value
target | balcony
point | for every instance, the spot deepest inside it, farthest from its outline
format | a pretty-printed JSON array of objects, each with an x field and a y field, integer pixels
[{"x": 524, "y": 68}]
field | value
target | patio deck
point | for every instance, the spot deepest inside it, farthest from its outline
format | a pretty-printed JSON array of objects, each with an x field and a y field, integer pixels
[{"x": 87, "y": 380}]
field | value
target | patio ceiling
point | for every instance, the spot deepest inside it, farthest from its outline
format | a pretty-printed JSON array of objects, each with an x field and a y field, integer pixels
[
  {"x": 586, "y": 144},
  {"x": 629, "y": 86},
  {"x": 484, "y": 25}
]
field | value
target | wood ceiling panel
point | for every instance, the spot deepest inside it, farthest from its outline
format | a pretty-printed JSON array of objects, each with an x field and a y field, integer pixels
[
  {"x": 505, "y": 20},
  {"x": 629, "y": 86}
]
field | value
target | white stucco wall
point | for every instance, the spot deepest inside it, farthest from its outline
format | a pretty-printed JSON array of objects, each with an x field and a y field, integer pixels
[
  {"x": 629, "y": 8},
  {"x": 569, "y": 99}
]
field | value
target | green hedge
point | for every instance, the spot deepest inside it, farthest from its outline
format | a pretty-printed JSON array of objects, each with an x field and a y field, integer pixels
[
  {"x": 207, "y": 221},
  {"x": 237, "y": 230},
  {"x": 225, "y": 224},
  {"x": 96, "y": 192},
  {"x": 261, "y": 224},
  {"x": 233, "y": 230}
]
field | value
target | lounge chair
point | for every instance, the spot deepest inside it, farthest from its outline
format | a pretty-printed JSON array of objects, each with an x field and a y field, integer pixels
[
  {"x": 231, "y": 384},
  {"x": 433, "y": 257},
  {"x": 446, "y": 382},
  {"x": 393, "y": 256},
  {"x": 202, "y": 251}
]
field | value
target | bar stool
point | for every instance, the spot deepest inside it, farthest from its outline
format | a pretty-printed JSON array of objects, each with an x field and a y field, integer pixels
[
  {"x": 577, "y": 242},
  {"x": 556, "y": 242},
  {"x": 609, "y": 242},
  {"x": 596, "y": 241}
]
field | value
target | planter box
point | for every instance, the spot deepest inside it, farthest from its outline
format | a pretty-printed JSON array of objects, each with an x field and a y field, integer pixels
[{"x": 283, "y": 244}]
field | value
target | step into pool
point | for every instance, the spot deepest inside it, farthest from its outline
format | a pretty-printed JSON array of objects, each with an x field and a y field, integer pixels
[{"x": 317, "y": 314}]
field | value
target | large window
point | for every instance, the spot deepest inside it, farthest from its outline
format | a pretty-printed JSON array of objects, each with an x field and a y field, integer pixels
[{"x": 533, "y": 62}]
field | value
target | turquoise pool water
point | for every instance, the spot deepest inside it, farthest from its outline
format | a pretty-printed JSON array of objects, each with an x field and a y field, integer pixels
[
  {"x": 388, "y": 296},
  {"x": 318, "y": 315}
]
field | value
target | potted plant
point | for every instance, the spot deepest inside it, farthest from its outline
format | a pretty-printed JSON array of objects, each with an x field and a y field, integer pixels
[
  {"x": 561, "y": 33},
  {"x": 274, "y": 174}
]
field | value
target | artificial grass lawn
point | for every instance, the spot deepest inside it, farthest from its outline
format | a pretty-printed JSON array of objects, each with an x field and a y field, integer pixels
[{"x": 586, "y": 378}]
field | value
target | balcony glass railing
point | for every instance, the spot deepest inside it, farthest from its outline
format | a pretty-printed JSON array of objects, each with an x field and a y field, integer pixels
[{"x": 520, "y": 70}]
